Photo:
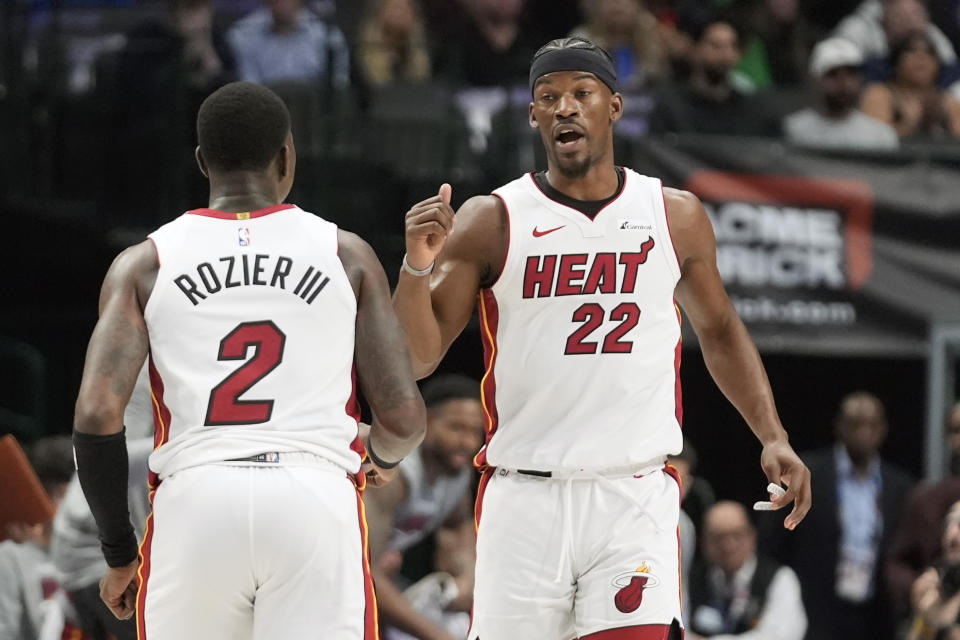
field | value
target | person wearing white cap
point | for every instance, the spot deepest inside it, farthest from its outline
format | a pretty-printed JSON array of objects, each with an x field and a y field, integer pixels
[{"x": 835, "y": 121}]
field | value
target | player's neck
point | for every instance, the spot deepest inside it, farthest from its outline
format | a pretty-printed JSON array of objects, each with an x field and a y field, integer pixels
[
  {"x": 243, "y": 191},
  {"x": 600, "y": 182}
]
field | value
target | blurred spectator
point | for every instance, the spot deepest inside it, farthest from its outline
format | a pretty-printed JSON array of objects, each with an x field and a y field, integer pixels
[
  {"x": 169, "y": 65},
  {"x": 75, "y": 548},
  {"x": 777, "y": 53},
  {"x": 836, "y": 121},
  {"x": 393, "y": 45},
  {"x": 737, "y": 593},
  {"x": 709, "y": 102},
  {"x": 838, "y": 551},
  {"x": 432, "y": 489},
  {"x": 630, "y": 34},
  {"x": 287, "y": 42},
  {"x": 445, "y": 596},
  {"x": 911, "y": 101},
  {"x": 180, "y": 51},
  {"x": 31, "y": 603},
  {"x": 75, "y": 545},
  {"x": 879, "y": 25},
  {"x": 935, "y": 595},
  {"x": 490, "y": 47},
  {"x": 917, "y": 544}
]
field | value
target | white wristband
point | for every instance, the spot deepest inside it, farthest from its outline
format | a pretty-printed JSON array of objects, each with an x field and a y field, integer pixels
[{"x": 417, "y": 272}]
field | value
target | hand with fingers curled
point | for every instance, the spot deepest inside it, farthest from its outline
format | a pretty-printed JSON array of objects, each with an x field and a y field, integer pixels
[
  {"x": 428, "y": 224},
  {"x": 783, "y": 466},
  {"x": 118, "y": 590}
]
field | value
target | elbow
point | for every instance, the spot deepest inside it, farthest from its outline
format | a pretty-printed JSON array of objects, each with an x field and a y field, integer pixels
[
  {"x": 406, "y": 420},
  {"x": 96, "y": 418},
  {"x": 723, "y": 329},
  {"x": 424, "y": 368}
]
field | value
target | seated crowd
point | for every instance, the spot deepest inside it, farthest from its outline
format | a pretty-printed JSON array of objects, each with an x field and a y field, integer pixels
[{"x": 877, "y": 558}]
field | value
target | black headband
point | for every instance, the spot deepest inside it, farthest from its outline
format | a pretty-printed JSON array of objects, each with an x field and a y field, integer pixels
[{"x": 574, "y": 60}]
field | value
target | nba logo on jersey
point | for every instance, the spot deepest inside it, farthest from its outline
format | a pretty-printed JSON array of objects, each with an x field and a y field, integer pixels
[{"x": 243, "y": 236}]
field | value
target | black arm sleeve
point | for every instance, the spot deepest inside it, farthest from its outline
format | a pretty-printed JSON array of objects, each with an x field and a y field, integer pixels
[{"x": 102, "y": 467}]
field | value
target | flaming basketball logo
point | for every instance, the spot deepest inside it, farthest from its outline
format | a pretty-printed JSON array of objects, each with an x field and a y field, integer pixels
[{"x": 631, "y": 585}]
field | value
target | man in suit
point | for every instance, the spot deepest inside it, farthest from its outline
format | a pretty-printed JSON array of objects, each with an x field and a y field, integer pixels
[{"x": 838, "y": 558}]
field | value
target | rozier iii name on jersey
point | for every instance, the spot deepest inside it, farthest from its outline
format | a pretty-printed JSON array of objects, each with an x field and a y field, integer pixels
[{"x": 261, "y": 270}]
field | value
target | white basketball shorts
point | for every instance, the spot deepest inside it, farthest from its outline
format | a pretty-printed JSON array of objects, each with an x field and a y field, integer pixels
[
  {"x": 258, "y": 551},
  {"x": 578, "y": 557}
]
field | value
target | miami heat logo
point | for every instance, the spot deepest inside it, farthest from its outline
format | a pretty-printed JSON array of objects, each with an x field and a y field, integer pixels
[{"x": 631, "y": 585}]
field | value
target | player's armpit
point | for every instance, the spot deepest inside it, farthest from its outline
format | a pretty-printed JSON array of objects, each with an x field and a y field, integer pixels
[
  {"x": 119, "y": 344},
  {"x": 383, "y": 362},
  {"x": 434, "y": 309}
]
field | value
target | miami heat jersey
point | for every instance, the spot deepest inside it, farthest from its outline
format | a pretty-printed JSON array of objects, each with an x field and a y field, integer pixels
[
  {"x": 581, "y": 333},
  {"x": 251, "y": 324}
]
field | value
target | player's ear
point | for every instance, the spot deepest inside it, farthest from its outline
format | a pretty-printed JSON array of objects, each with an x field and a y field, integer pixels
[
  {"x": 616, "y": 107},
  {"x": 286, "y": 157},
  {"x": 533, "y": 121},
  {"x": 201, "y": 162}
]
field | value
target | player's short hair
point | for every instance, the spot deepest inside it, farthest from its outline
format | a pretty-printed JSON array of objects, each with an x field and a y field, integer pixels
[
  {"x": 241, "y": 127},
  {"x": 449, "y": 386}
]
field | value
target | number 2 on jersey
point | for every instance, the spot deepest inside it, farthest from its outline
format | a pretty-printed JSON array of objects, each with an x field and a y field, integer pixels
[
  {"x": 225, "y": 406},
  {"x": 591, "y": 315}
]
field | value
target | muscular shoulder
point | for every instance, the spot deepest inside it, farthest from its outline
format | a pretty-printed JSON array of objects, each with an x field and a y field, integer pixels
[
  {"x": 356, "y": 255},
  {"x": 134, "y": 268},
  {"x": 482, "y": 216},
  {"x": 690, "y": 227},
  {"x": 480, "y": 236}
]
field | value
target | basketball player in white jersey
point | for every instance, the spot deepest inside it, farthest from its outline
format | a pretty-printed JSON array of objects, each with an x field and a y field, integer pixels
[
  {"x": 252, "y": 314},
  {"x": 576, "y": 270},
  {"x": 433, "y": 490}
]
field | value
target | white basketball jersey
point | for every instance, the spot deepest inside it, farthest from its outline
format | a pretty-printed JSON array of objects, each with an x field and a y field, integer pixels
[
  {"x": 581, "y": 333},
  {"x": 251, "y": 324}
]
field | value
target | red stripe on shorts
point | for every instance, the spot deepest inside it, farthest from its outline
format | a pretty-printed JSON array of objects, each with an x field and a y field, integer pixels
[
  {"x": 371, "y": 625},
  {"x": 143, "y": 572},
  {"x": 478, "y": 509},
  {"x": 636, "y": 632}
]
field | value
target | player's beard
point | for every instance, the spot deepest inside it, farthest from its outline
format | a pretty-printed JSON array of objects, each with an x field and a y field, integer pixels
[{"x": 574, "y": 169}]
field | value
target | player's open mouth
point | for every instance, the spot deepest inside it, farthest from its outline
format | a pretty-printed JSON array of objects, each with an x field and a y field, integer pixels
[{"x": 568, "y": 137}]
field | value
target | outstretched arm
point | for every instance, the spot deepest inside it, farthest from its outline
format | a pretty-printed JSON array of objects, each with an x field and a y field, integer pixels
[
  {"x": 728, "y": 350},
  {"x": 115, "y": 355},
  {"x": 383, "y": 362},
  {"x": 433, "y": 308}
]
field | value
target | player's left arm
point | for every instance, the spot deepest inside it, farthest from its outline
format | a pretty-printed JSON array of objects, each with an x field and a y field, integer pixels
[
  {"x": 115, "y": 354},
  {"x": 728, "y": 350}
]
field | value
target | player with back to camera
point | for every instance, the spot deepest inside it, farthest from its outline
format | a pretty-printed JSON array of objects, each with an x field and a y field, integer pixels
[
  {"x": 577, "y": 270},
  {"x": 252, "y": 313}
]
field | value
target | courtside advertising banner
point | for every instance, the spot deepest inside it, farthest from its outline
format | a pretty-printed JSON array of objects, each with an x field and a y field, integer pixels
[{"x": 825, "y": 253}]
